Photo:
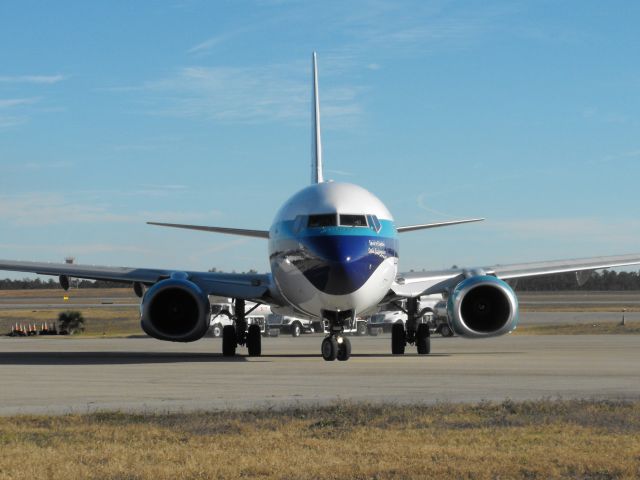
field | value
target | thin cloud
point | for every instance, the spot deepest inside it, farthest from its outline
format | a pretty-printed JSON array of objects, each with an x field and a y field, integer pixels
[
  {"x": 7, "y": 103},
  {"x": 14, "y": 108},
  {"x": 33, "y": 79},
  {"x": 37, "y": 209},
  {"x": 210, "y": 43},
  {"x": 247, "y": 94},
  {"x": 594, "y": 229}
]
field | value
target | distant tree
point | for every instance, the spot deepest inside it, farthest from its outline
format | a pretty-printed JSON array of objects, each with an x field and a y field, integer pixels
[{"x": 71, "y": 322}]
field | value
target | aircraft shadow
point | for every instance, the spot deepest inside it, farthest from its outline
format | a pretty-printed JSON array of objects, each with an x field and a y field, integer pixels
[
  {"x": 111, "y": 358},
  {"x": 139, "y": 358}
]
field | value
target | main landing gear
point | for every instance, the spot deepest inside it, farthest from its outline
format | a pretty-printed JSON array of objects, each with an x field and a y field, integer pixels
[
  {"x": 417, "y": 334},
  {"x": 238, "y": 334},
  {"x": 336, "y": 346}
]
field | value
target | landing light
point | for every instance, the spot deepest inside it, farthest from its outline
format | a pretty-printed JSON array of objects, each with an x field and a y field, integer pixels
[{"x": 340, "y": 340}]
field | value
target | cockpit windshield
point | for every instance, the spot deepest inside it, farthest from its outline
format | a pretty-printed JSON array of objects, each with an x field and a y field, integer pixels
[
  {"x": 353, "y": 220},
  {"x": 323, "y": 220}
]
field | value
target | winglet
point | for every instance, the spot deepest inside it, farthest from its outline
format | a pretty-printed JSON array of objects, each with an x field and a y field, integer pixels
[{"x": 316, "y": 142}]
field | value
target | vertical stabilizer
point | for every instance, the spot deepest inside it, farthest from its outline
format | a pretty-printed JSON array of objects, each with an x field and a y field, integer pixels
[{"x": 316, "y": 142}]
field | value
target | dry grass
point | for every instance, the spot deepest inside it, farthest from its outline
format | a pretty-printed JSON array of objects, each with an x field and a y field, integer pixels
[
  {"x": 112, "y": 321},
  {"x": 58, "y": 293},
  {"x": 603, "y": 328},
  {"x": 580, "y": 308},
  {"x": 550, "y": 439}
]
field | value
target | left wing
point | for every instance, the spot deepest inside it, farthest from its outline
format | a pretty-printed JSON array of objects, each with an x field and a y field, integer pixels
[
  {"x": 237, "y": 285},
  {"x": 423, "y": 283},
  {"x": 424, "y": 226}
]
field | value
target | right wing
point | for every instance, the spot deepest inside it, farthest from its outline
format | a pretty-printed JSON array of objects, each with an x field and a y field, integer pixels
[
  {"x": 423, "y": 283},
  {"x": 230, "y": 231},
  {"x": 248, "y": 286}
]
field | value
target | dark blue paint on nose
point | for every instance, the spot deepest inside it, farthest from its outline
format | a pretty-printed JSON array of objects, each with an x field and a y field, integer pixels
[{"x": 341, "y": 264}]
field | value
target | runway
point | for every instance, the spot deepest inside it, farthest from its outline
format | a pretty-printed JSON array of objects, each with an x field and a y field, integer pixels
[{"x": 61, "y": 375}]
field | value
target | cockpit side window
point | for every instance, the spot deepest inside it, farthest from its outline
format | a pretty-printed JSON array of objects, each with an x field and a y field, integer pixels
[
  {"x": 353, "y": 220},
  {"x": 323, "y": 220},
  {"x": 299, "y": 223},
  {"x": 374, "y": 222}
]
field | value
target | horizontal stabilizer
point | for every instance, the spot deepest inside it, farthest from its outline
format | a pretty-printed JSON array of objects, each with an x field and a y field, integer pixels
[
  {"x": 410, "y": 228},
  {"x": 230, "y": 231}
]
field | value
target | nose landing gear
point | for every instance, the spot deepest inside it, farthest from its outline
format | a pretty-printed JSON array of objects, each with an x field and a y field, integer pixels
[{"x": 336, "y": 345}]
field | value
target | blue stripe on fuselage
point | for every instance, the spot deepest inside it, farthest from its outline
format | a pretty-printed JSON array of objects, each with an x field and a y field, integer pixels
[{"x": 336, "y": 260}]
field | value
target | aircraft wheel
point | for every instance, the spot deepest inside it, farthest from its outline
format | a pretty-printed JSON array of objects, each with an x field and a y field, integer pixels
[
  {"x": 254, "y": 341},
  {"x": 445, "y": 331},
  {"x": 229, "y": 341},
  {"x": 423, "y": 339},
  {"x": 329, "y": 348},
  {"x": 398, "y": 339},
  {"x": 344, "y": 349}
]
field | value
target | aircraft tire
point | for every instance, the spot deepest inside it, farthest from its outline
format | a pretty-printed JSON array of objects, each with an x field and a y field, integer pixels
[
  {"x": 296, "y": 329},
  {"x": 423, "y": 339},
  {"x": 229, "y": 341},
  {"x": 445, "y": 331},
  {"x": 344, "y": 350},
  {"x": 254, "y": 341},
  {"x": 329, "y": 348},
  {"x": 398, "y": 339}
]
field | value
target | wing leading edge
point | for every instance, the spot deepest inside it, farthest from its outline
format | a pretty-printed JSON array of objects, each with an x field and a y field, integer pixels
[
  {"x": 422, "y": 283},
  {"x": 229, "y": 231},
  {"x": 236, "y": 285}
]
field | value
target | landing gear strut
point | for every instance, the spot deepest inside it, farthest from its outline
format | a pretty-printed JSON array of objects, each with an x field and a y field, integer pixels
[
  {"x": 335, "y": 345},
  {"x": 233, "y": 336},
  {"x": 413, "y": 333}
]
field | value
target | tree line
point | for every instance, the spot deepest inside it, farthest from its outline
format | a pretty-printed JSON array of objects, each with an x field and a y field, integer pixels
[
  {"x": 38, "y": 284},
  {"x": 600, "y": 281}
]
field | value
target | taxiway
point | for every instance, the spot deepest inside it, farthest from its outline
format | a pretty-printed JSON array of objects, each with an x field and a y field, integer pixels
[{"x": 61, "y": 375}]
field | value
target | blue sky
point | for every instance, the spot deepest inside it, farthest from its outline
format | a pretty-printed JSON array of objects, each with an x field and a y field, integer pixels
[{"x": 115, "y": 113}]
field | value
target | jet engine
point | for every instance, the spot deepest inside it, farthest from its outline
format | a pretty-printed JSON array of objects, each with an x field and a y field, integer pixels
[
  {"x": 175, "y": 309},
  {"x": 482, "y": 306}
]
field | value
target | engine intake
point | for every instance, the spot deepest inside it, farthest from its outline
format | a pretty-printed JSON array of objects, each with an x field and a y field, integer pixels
[
  {"x": 176, "y": 310},
  {"x": 482, "y": 306}
]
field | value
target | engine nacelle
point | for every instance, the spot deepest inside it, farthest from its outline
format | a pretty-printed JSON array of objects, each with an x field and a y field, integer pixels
[
  {"x": 176, "y": 310},
  {"x": 482, "y": 306}
]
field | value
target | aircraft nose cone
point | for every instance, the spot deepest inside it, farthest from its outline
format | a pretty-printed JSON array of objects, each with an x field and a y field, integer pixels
[{"x": 339, "y": 265}]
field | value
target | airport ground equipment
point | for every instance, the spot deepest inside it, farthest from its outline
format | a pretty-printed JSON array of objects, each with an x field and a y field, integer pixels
[{"x": 291, "y": 325}]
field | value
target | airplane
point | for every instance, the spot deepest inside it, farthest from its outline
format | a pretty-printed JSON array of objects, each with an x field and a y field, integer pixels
[{"x": 333, "y": 254}]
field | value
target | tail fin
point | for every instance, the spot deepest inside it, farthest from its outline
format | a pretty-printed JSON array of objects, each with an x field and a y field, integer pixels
[{"x": 316, "y": 142}]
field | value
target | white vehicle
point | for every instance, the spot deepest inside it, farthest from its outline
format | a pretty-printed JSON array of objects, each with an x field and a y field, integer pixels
[
  {"x": 357, "y": 326},
  {"x": 333, "y": 251},
  {"x": 290, "y": 325},
  {"x": 395, "y": 312},
  {"x": 222, "y": 312}
]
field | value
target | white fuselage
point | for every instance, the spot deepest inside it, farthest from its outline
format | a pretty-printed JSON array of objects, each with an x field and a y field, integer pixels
[{"x": 333, "y": 247}]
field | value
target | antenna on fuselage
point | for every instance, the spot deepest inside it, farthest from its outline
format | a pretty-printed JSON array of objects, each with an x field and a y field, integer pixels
[{"x": 316, "y": 141}]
